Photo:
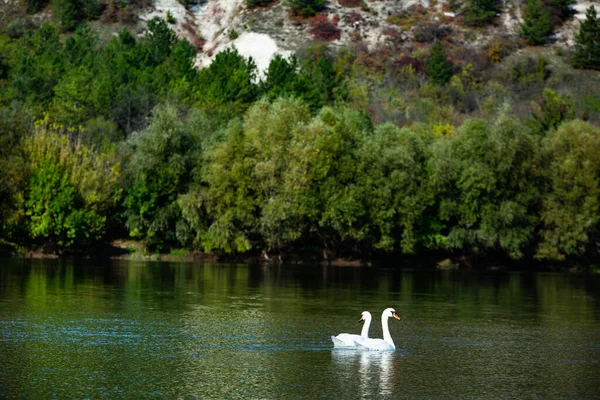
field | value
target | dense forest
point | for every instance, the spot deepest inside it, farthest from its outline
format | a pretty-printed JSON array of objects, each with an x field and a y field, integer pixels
[{"x": 333, "y": 152}]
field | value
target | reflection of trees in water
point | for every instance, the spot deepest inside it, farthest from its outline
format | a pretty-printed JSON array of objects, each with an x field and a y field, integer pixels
[
  {"x": 415, "y": 294},
  {"x": 373, "y": 371},
  {"x": 266, "y": 309}
]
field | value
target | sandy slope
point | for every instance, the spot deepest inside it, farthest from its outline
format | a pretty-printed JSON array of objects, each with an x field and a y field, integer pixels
[
  {"x": 260, "y": 37},
  {"x": 212, "y": 22}
]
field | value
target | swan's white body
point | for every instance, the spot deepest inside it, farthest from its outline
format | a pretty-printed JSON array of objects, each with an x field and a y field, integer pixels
[
  {"x": 348, "y": 339},
  {"x": 385, "y": 344}
]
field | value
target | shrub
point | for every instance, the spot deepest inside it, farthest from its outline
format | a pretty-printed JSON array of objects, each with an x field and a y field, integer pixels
[
  {"x": 170, "y": 18},
  {"x": 429, "y": 33},
  {"x": 323, "y": 29},
  {"x": 415, "y": 64},
  {"x": 551, "y": 111},
  {"x": 353, "y": 17},
  {"x": 306, "y": 8},
  {"x": 233, "y": 34},
  {"x": 495, "y": 51},
  {"x": 258, "y": 3},
  {"x": 351, "y": 3}
]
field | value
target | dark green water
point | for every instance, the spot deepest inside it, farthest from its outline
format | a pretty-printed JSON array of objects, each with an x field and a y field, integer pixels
[{"x": 139, "y": 330}]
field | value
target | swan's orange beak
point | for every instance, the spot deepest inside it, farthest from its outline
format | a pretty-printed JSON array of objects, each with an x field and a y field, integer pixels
[
  {"x": 360, "y": 320},
  {"x": 395, "y": 316}
]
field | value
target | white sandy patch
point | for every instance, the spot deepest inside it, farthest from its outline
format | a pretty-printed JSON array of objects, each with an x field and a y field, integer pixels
[
  {"x": 567, "y": 32},
  {"x": 581, "y": 9},
  {"x": 261, "y": 47},
  {"x": 216, "y": 18}
]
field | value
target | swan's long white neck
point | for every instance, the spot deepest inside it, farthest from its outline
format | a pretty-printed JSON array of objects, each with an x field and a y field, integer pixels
[
  {"x": 386, "y": 331},
  {"x": 365, "y": 329}
]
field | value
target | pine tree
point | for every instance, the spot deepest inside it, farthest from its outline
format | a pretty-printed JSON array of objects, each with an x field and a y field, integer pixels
[
  {"x": 307, "y": 8},
  {"x": 480, "y": 12},
  {"x": 537, "y": 27},
  {"x": 438, "y": 68},
  {"x": 587, "y": 42},
  {"x": 71, "y": 12}
]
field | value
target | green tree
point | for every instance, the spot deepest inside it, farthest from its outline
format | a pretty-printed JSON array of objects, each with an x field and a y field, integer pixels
[
  {"x": 67, "y": 13},
  {"x": 16, "y": 122},
  {"x": 71, "y": 12},
  {"x": 480, "y": 12},
  {"x": 306, "y": 8},
  {"x": 536, "y": 27},
  {"x": 56, "y": 213},
  {"x": 73, "y": 103},
  {"x": 485, "y": 184},
  {"x": 438, "y": 69},
  {"x": 571, "y": 207},
  {"x": 248, "y": 194},
  {"x": 393, "y": 179},
  {"x": 230, "y": 79},
  {"x": 80, "y": 48},
  {"x": 324, "y": 182},
  {"x": 160, "y": 40},
  {"x": 284, "y": 78},
  {"x": 587, "y": 42},
  {"x": 552, "y": 110},
  {"x": 39, "y": 66},
  {"x": 72, "y": 191},
  {"x": 157, "y": 173},
  {"x": 325, "y": 79}
]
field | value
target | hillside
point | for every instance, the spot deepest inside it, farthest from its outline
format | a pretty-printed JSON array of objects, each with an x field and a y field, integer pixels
[
  {"x": 265, "y": 31},
  {"x": 268, "y": 31}
]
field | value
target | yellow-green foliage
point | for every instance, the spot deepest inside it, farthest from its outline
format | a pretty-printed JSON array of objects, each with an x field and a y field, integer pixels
[
  {"x": 444, "y": 130},
  {"x": 95, "y": 175},
  {"x": 404, "y": 20},
  {"x": 69, "y": 190}
]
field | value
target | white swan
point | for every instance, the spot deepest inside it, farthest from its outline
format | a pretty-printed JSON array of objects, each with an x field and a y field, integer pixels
[
  {"x": 380, "y": 344},
  {"x": 348, "y": 339}
]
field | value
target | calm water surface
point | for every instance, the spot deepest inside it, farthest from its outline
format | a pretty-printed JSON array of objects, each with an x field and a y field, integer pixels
[{"x": 139, "y": 330}]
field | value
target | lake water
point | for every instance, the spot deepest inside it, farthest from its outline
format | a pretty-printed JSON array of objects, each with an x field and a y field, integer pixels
[{"x": 169, "y": 330}]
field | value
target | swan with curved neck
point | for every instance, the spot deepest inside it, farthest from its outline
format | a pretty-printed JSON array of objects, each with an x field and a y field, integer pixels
[
  {"x": 348, "y": 339},
  {"x": 381, "y": 344}
]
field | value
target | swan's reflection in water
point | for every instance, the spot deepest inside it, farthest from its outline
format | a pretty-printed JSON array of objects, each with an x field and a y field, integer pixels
[{"x": 373, "y": 371}]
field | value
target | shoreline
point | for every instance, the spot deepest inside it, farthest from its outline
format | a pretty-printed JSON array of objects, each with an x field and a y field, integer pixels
[{"x": 130, "y": 250}]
